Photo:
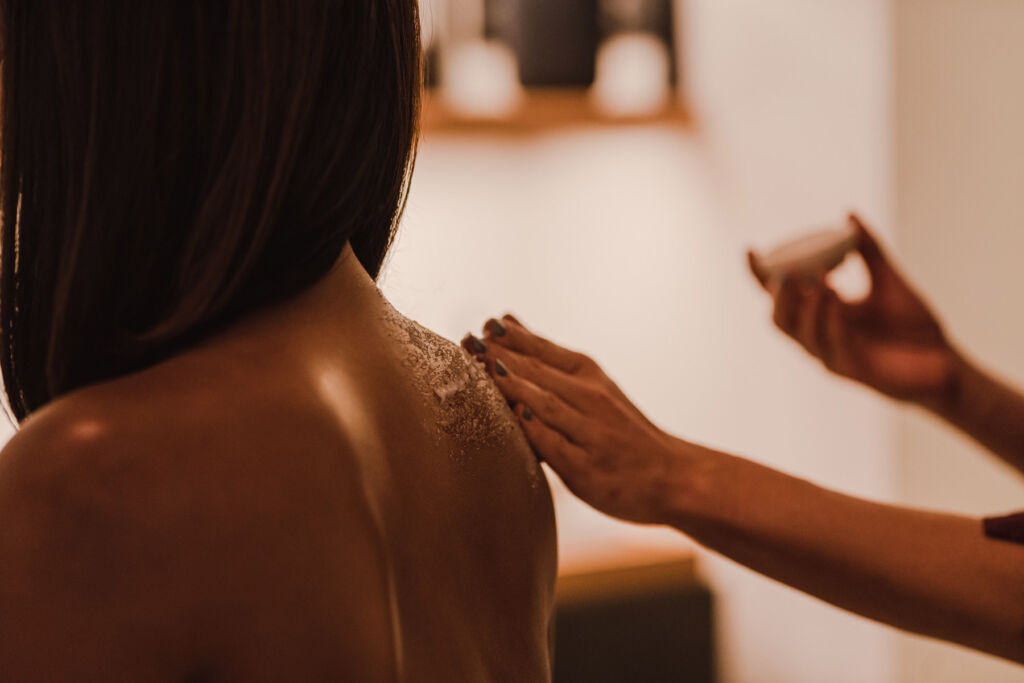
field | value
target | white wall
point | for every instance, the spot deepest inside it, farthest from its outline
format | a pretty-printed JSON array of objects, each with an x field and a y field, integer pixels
[
  {"x": 959, "y": 68},
  {"x": 629, "y": 243}
]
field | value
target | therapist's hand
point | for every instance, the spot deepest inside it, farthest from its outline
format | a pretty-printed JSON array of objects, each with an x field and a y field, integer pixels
[
  {"x": 582, "y": 424},
  {"x": 889, "y": 340}
]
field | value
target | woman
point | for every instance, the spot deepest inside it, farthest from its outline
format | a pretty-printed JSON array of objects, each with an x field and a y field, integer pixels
[
  {"x": 946, "y": 576},
  {"x": 235, "y": 460}
]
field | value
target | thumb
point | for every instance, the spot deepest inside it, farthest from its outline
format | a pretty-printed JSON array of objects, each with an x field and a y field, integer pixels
[
  {"x": 755, "y": 268},
  {"x": 870, "y": 250}
]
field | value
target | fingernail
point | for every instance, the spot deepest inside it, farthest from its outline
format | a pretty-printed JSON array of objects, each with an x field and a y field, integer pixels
[
  {"x": 500, "y": 368},
  {"x": 478, "y": 345},
  {"x": 527, "y": 414},
  {"x": 496, "y": 327}
]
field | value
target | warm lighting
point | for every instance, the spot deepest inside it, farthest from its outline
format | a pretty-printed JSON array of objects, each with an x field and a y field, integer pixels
[
  {"x": 481, "y": 79},
  {"x": 87, "y": 429},
  {"x": 632, "y": 75}
]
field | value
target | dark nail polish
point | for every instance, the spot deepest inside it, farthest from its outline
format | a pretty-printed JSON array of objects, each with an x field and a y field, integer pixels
[
  {"x": 527, "y": 414},
  {"x": 500, "y": 368},
  {"x": 478, "y": 346},
  {"x": 496, "y": 327}
]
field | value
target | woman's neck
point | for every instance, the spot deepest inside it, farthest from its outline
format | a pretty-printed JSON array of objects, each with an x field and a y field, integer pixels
[{"x": 341, "y": 303}]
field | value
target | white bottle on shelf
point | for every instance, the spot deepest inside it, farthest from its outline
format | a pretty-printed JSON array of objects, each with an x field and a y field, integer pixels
[{"x": 479, "y": 76}]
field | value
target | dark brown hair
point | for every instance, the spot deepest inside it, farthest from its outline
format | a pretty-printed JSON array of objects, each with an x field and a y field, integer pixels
[{"x": 170, "y": 165}]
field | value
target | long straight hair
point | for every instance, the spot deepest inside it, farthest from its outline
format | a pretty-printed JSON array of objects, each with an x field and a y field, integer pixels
[{"x": 170, "y": 165}]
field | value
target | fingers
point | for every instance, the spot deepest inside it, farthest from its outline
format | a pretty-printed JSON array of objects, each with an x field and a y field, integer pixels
[
  {"x": 513, "y": 319},
  {"x": 580, "y": 382},
  {"x": 755, "y": 268},
  {"x": 809, "y": 321},
  {"x": 788, "y": 304},
  {"x": 511, "y": 333},
  {"x": 546, "y": 406},
  {"x": 565, "y": 386},
  {"x": 835, "y": 338},
  {"x": 870, "y": 250},
  {"x": 811, "y": 313},
  {"x": 549, "y": 444}
]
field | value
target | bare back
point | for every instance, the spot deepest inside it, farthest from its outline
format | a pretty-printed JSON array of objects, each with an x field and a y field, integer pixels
[
  {"x": 371, "y": 513},
  {"x": 474, "y": 541}
]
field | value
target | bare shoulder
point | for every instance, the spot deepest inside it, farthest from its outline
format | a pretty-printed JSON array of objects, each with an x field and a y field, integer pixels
[
  {"x": 469, "y": 409},
  {"x": 162, "y": 540}
]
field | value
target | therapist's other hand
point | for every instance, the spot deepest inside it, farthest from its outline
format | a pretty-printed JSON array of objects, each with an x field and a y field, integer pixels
[
  {"x": 889, "y": 340},
  {"x": 579, "y": 421}
]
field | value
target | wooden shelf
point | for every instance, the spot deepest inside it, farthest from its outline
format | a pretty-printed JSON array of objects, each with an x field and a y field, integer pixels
[
  {"x": 542, "y": 110},
  {"x": 625, "y": 581},
  {"x": 651, "y": 622}
]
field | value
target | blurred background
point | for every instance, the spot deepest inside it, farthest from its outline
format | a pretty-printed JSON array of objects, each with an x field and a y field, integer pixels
[{"x": 599, "y": 167}]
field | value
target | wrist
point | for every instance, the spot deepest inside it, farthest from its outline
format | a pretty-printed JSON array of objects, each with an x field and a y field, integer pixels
[
  {"x": 949, "y": 397},
  {"x": 686, "y": 485}
]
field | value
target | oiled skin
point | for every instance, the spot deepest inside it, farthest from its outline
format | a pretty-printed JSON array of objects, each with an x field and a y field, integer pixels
[{"x": 275, "y": 504}]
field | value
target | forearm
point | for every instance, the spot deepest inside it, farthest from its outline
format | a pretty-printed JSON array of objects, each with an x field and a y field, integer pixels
[
  {"x": 932, "y": 574},
  {"x": 986, "y": 409}
]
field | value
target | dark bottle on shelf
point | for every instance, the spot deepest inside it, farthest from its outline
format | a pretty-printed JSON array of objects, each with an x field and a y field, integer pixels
[
  {"x": 555, "y": 40},
  {"x": 432, "y": 67}
]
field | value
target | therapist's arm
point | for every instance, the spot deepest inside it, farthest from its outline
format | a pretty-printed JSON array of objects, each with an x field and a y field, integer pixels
[
  {"x": 932, "y": 574},
  {"x": 985, "y": 408},
  {"x": 892, "y": 341}
]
